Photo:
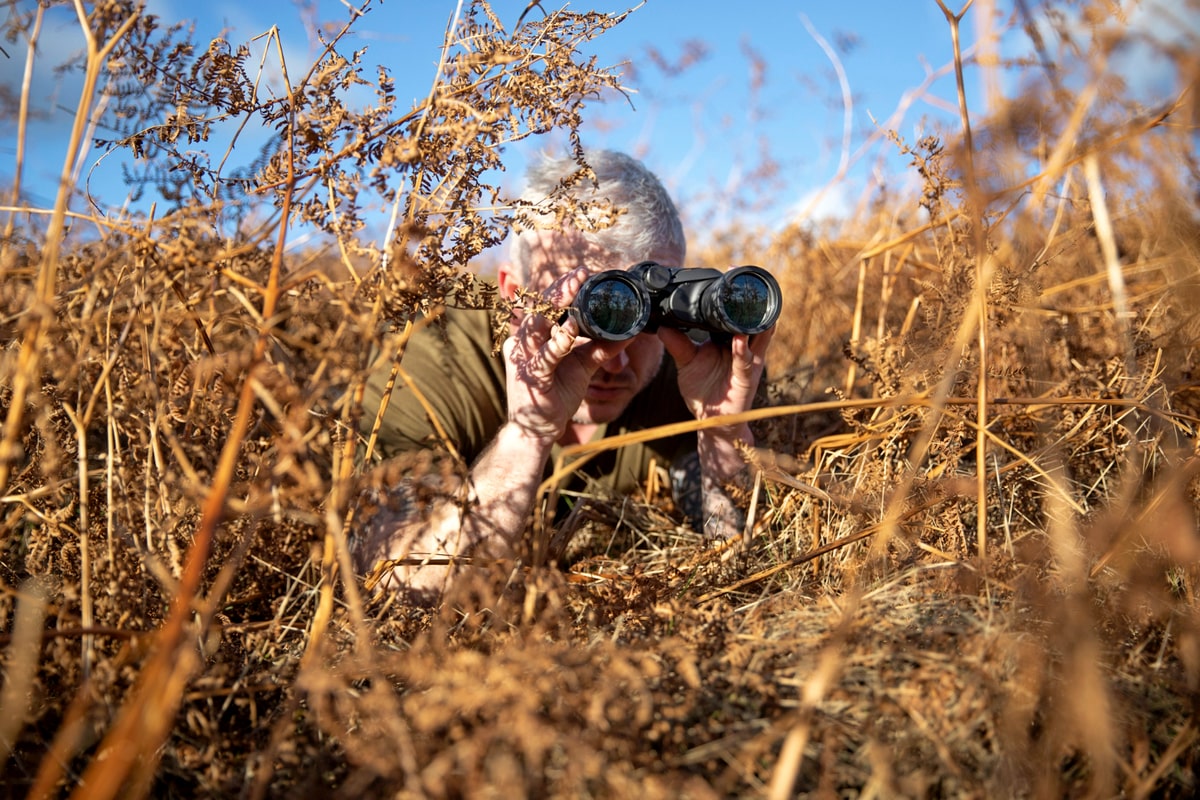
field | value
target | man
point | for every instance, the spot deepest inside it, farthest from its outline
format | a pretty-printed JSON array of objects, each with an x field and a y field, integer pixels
[{"x": 506, "y": 415}]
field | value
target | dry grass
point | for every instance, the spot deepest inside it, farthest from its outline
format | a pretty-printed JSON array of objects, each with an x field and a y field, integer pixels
[{"x": 973, "y": 560}]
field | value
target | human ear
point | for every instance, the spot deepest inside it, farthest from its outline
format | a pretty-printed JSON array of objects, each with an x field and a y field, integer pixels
[{"x": 508, "y": 280}]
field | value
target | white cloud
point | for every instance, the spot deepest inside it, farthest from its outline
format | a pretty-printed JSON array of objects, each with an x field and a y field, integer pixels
[{"x": 830, "y": 202}]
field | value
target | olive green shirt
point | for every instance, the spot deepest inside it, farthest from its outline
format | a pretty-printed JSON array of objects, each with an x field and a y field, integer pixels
[{"x": 454, "y": 368}]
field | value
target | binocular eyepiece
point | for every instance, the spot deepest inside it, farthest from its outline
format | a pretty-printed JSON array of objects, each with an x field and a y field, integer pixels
[{"x": 619, "y": 304}]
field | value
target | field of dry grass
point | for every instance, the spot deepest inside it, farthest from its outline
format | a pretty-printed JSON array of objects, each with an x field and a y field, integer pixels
[{"x": 971, "y": 566}]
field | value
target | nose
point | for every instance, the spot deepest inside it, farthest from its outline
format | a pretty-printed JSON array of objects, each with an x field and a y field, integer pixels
[{"x": 616, "y": 364}]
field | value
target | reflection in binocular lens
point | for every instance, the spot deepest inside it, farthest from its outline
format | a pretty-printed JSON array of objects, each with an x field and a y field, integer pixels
[
  {"x": 614, "y": 307},
  {"x": 745, "y": 300}
]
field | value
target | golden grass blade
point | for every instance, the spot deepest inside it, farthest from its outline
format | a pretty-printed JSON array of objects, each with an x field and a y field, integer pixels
[
  {"x": 1112, "y": 264},
  {"x": 28, "y": 372},
  {"x": 147, "y": 714},
  {"x": 21, "y": 662}
]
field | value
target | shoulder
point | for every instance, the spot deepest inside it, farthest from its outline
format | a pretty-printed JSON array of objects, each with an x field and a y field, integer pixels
[
  {"x": 451, "y": 371},
  {"x": 458, "y": 342}
]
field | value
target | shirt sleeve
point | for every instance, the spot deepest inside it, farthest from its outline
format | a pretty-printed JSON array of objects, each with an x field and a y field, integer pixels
[{"x": 452, "y": 368}]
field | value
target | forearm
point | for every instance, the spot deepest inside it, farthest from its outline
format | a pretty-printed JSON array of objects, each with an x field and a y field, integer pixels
[
  {"x": 721, "y": 464},
  {"x": 505, "y": 481},
  {"x": 715, "y": 382},
  {"x": 431, "y": 541}
]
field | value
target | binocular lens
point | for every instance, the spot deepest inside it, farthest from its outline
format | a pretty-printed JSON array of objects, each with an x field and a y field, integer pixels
[
  {"x": 746, "y": 300},
  {"x": 616, "y": 308}
]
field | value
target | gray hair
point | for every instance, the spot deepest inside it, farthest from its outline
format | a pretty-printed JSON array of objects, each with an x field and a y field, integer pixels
[{"x": 649, "y": 227}]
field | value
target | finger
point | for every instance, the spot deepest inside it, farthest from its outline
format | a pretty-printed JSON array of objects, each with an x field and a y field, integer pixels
[
  {"x": 679, "y": 345},
  {"x": 509, "y": 348},
  {"x": 529, "y": 335},
  {"x": 743, "y": 357},
  {"x": 520, "y": 349},
  {"x": 533, "y": 329},
  {"x": 560, "y": 342},
  {"x": 536, "y": 358},
  {"x": 515, "y": 319},
  {"x": 749, "y": 352},
  {"x": 562, "y": 292},
  {"x": 541, "y": 354},
  {"x": 760, "y": 342}
]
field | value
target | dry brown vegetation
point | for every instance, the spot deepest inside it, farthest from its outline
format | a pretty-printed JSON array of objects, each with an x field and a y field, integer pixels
[{"x": 972, "y": 570}]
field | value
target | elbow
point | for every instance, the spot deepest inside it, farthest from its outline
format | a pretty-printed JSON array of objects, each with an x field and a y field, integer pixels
[{"x": 397, "y": 551}]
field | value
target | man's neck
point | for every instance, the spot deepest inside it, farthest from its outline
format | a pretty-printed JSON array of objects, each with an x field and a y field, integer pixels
[{"x": 578, "y": 433}]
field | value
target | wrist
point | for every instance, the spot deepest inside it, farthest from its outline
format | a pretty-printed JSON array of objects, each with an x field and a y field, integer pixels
[
  {"x": 523, "y": 441},
  {"x": 504, "y": 481},
  {"x": 720, "y": 451}
]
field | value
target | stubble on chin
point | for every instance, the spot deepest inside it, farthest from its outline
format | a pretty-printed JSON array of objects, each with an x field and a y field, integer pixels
[{"x": 585, "y": 416}]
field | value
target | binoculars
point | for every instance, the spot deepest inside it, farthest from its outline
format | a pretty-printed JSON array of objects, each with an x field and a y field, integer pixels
[{"x": 619, "y": 304}]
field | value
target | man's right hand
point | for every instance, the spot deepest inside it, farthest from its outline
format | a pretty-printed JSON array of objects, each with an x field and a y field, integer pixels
[{"x": 549, "y": 366}]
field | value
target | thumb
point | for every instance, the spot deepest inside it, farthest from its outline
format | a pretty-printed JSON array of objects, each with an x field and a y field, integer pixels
[{"x": 679, "y": 345}]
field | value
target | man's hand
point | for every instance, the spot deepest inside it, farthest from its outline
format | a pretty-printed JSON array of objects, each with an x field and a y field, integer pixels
[
  {"x": 715, "y": 380},
  {"x": 549, "y": 366}
]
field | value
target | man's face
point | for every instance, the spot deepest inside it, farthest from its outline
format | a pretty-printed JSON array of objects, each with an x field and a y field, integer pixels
[{"x": 616, "y": 383}]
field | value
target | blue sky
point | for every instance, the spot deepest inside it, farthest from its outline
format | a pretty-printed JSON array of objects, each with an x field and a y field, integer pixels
[{"x": 704, "y": 130}]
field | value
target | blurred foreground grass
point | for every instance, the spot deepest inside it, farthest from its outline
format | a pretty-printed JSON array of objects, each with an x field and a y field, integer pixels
[{"x": 972, "y": 563}]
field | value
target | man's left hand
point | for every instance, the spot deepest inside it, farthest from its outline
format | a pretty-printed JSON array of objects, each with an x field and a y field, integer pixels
[{"x": 716, "y": 380}]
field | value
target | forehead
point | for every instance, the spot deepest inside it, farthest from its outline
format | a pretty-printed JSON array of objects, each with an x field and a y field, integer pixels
[{"x": 553, "y": 253}]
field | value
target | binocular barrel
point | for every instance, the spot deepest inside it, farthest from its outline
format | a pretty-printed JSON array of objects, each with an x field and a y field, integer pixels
[{"x": 619, "y": 304}]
